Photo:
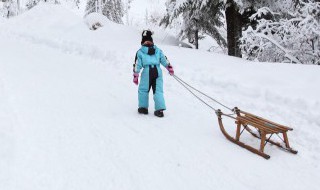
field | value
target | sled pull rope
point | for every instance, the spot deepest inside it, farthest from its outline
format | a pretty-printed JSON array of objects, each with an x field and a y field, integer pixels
[{"x": 188, "y": 87}]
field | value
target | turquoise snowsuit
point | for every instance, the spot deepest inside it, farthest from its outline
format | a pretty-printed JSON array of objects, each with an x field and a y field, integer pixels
[{"x": 151, "y": 76}]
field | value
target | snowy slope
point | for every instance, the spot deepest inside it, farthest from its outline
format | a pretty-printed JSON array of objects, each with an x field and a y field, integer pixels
[{"x": 69, "y": 119}]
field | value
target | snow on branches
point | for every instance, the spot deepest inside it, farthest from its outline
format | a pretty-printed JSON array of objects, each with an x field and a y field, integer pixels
[{"x": 294, "y": 38}]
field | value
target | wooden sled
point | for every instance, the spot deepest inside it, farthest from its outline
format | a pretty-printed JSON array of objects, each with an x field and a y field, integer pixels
[{"x": 265, "y": 130}]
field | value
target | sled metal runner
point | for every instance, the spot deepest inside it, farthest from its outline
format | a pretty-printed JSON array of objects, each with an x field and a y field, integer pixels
[{"x": 265, "y": 130}]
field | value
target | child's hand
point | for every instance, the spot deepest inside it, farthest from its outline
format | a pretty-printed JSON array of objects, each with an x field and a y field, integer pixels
[{"x": 136, "y": 78}]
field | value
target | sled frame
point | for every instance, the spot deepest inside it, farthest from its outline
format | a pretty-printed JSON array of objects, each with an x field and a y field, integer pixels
[{"x": 265, "y": 130}]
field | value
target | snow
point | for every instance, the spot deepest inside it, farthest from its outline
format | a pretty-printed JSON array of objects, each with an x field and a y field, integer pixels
[
  {"x": 2, "y": 20},
  {"x": 69, "y": 119}
]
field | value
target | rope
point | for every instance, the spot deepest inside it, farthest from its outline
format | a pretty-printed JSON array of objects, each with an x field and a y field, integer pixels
[
  {"x": 268, "y": 140},
  {"x": 184, "y": 85},
  {"x": 280, "y": 138},
  {"x": 244, "y": 127},
  {"x": 187, "y": 86}
]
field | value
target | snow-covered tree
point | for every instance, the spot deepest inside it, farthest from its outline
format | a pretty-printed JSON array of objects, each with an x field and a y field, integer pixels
[
  {"x": 197, "y": 17},
  {"x": 112, "y": 9},
  {"x": 152, "y": 18},
  {"x": 10, "y": 8},
  {"x": 92, "y": 6},
  {"x": 294, "y": 37},
  {"x": 31, "y": 3},
  {"x": 127, "y": 6},
  {"x": 77, "y": 3},
  {"x": 73, "y": 3},
  {"x": 237, "y": 13}
]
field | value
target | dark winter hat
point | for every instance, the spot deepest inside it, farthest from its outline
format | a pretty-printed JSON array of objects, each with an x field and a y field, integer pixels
[{"x": 146, "y": 36}]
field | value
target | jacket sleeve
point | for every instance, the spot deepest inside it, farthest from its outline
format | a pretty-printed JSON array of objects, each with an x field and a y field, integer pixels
[
  {"x": 163, "y": 59},
  {"x": 137, "y": 63}
]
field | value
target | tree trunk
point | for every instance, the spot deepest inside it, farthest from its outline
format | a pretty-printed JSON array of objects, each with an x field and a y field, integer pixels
[
  {"x": 234, "y": 28},
  {"x": 196, "y": 38},
  {"x": 18, "y": 6}
]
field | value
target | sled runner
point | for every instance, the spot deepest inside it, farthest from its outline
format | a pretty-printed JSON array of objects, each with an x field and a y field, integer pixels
[{"x": 265, "y": 130}]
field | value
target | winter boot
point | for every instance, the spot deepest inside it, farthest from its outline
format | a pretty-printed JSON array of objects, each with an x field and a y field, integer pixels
[
  {"x": 143, "y": 110},
  {"x": 159, "y": 113}
]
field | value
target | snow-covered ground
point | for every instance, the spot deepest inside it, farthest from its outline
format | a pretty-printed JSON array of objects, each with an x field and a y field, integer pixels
[{"x": 68, "y": 113}]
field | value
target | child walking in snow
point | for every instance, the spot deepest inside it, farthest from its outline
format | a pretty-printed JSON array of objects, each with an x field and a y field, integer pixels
[{"x": 149, "y": 57}]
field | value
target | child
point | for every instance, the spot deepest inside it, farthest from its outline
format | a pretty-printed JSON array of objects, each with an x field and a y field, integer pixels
[{"x": 149, "y": 57}]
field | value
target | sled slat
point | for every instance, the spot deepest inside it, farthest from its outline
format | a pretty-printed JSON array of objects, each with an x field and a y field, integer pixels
[{"x": 268, "y": 121}]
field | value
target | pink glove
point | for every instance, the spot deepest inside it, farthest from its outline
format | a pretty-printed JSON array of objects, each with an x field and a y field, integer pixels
[
  {"x": 170, "y": 69},
  {"x": 136, "y": 78}
]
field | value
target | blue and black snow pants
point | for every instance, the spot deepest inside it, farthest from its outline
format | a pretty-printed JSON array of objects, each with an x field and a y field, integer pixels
[{"x": 151, "y": 77}]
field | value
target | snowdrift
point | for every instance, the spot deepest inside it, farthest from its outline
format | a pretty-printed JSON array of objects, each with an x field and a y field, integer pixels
[{"x": 69, "y": 120}]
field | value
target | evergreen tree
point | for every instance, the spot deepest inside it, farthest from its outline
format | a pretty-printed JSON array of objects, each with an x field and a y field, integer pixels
[
  {"x": 32, "y": 3},
  {"x": 197, "y": 17},
  {"x": 114, "y": 10},
  {"x": 127, "y": 6},
  {"x": 91, "y": 6},
  {"x": 10, "y": 7}
]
